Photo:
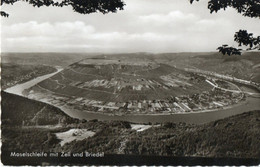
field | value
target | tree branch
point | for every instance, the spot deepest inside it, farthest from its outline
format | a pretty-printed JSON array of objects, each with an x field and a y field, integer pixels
[{"x": 79, "y": 6}]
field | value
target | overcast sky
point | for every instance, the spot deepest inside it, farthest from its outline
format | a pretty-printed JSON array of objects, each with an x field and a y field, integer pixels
[{"x": 143, "y": 26}]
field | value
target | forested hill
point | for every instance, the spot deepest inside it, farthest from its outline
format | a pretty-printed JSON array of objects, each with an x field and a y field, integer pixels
[
  {"x": 236, "y": 136},
  {"x": 17, "y": 110}
]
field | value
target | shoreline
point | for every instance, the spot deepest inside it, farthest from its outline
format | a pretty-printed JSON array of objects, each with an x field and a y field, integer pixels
[
  {"x": 19, "y": 88},
  {"x": 193, "y": 118},
  {"x": 197, "y": 117},
  {"x": 160, "y": 114}
]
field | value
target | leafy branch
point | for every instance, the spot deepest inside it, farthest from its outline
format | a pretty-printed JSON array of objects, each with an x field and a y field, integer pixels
[
  {"x": 248, "y": 8},
  {"x": 79, "y": 6}
]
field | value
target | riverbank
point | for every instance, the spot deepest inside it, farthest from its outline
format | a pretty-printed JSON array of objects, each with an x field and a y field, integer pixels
[
  {"x": 19, "y": 88},
  {"x": 193, "y": 118},
  {"x": 198, "y": 117}
]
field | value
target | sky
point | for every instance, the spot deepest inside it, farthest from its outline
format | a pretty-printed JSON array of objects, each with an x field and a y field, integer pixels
[{"x": 143, "y": 26}]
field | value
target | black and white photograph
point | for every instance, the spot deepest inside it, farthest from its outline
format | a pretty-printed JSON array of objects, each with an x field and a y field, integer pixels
[{"x": 130, "y": 82}]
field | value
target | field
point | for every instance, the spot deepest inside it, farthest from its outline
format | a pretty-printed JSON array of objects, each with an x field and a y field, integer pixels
[
  {"x": 121, "y": 83},
  {"x": 118, "y": 86},
  {"x": 74, "y": 134},
  {"x": 137, "y": 84}
]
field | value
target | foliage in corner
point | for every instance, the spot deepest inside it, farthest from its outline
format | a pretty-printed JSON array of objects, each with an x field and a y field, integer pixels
[
  {"x": 248, "y": 8},
  {"x": 242, "y": 37},
  {"x": 79, "y": 6}
]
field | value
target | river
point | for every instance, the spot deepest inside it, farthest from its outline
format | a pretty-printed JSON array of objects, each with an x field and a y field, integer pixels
[
  {"x": 19, "y": 88},
  {"x": 250, "y": 104}
]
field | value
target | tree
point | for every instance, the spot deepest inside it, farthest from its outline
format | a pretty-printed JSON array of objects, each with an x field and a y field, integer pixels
[
  {"x": 80, "y": 6},
  {"x": 248, "y": 8}
]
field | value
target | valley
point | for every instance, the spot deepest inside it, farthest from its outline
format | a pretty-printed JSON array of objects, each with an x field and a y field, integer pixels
[
  {"x": 117, "y": 87},
  {"x": 131, "y": 104}
]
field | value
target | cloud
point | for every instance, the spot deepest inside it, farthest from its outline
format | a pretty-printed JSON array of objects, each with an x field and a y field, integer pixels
[
  {"x": 75, "y": 35},
  {"x": 32, "y": 36},
  {"x": 153, "y": 26},
  {"x": 59, "y": 29},
  {"x": 171, "y": 18}
]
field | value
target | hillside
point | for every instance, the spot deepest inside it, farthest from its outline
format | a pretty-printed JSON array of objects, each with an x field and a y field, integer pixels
[
  {"x": 120, "y": 83},
  {"x": 236, "y": 136},
  {"x": 12, "y": 74},
  {"x": 17, "y": 111},
  {"x": 50, "y": 59},
  {"x": 122, "y": 86},
  {"x": 245, "y": 66}
]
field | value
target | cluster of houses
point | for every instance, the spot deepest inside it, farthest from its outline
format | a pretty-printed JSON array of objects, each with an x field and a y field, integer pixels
[{"x": 206, "y": 100}]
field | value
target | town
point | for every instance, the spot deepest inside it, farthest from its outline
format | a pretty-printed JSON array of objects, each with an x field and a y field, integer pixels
[
  {"x": 121, "y": 89},
  {"x": 207, "y": 100}
]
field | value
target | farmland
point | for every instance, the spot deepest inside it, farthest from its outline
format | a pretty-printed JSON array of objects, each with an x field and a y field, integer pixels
[{"x": 117, "y": 86}]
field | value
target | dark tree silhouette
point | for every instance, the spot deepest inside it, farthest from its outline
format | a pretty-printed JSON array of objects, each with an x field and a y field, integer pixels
[
  {"x": 248, "y": 8},
  {"x": 242, "y": 37},
  {"x": 80, "y": 6},
  {"x": 225, "y": 49}
]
